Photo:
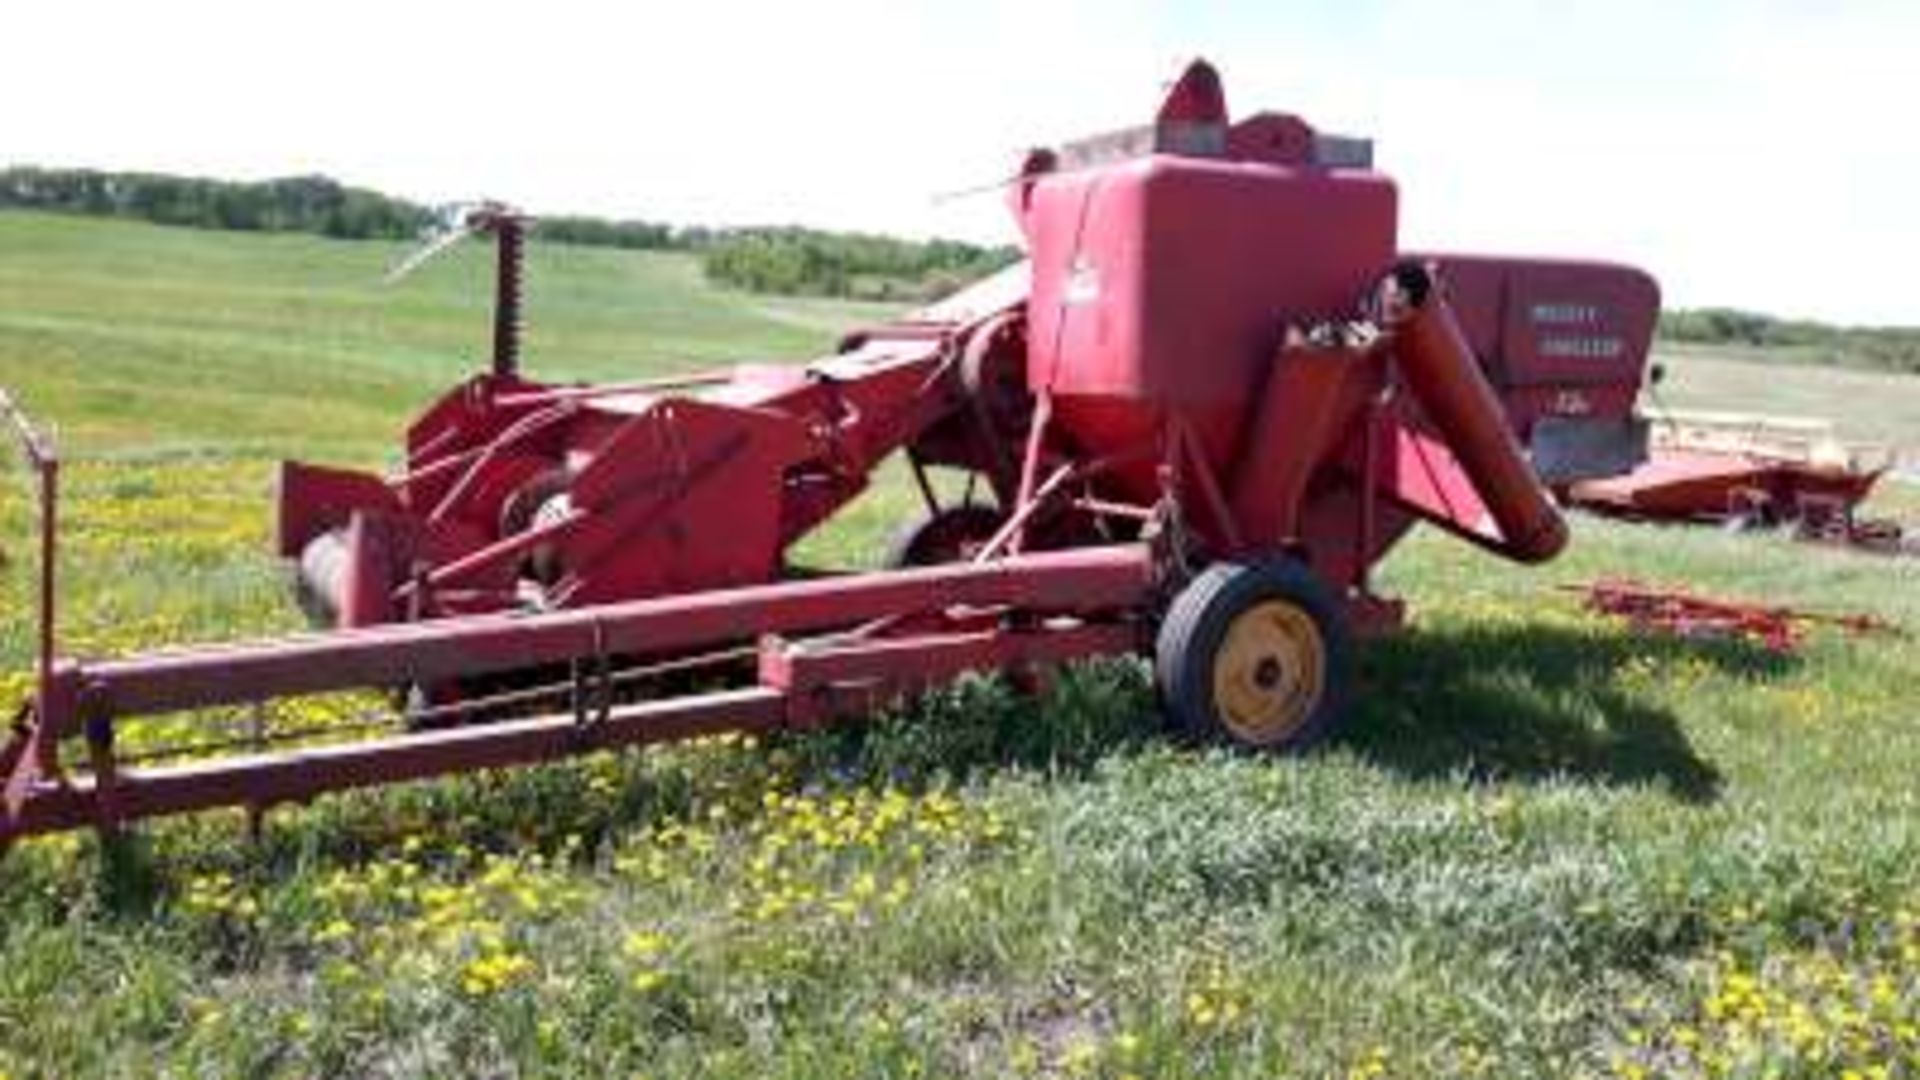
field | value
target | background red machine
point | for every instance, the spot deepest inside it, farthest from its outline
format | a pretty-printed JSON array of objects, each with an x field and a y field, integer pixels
[
  {"x": 1211, "y": 399},
  {"x": 1746, "y": 472}
]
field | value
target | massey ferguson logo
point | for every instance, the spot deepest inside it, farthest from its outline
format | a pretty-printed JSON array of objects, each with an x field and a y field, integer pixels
[
  {"x": 1566, "y": 315},
  {"x": 1568, "y": 330}
]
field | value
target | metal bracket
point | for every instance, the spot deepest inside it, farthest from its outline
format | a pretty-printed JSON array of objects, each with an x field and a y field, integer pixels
[{"x": 593, "y": 683}]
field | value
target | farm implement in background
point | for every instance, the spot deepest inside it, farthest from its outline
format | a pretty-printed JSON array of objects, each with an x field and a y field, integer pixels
[
  {"x": 1214, "y": 396},
  {"x": 1745, "y": 472},
  {"x": 1685, "y": 614}
]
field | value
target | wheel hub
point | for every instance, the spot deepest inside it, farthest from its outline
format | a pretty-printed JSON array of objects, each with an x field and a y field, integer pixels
[{"x": 1270, "y": 672}]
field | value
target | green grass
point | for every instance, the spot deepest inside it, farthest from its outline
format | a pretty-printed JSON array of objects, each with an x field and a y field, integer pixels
[
  {"x": 1543, "y": 845},
  {"x": 1865, "y": 406},
  {"x": 143, "y": 338}
]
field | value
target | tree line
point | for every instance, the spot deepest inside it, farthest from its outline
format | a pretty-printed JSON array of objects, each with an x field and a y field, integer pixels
[
  {"x": 857, "y": 265},
  {"x": 787, "y": 260},
  {"x": 304, "y": 204},
  {"x": 311, "y": 204},
  {"x": 775, "y": 260},
  {"x": 1880, "y": 348}
]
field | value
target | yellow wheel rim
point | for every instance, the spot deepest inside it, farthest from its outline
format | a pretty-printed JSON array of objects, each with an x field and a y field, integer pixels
[{"x": 1269, "y": 672}]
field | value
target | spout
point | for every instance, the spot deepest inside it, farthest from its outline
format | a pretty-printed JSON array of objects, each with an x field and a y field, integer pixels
[{"x": 1440, "y": 370}]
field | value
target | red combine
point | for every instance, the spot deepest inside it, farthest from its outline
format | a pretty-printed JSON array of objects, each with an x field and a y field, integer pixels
[{"x": 1215, "y": 394}]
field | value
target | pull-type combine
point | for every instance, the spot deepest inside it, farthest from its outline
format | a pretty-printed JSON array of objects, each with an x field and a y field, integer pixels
[{"x": 1213, "y": 396}]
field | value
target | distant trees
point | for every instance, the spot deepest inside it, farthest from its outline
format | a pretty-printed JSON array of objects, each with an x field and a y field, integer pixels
[
  {"x": 1881, "y": 348},
  {"x": 1732, "y": 326},
  {"x": 859, "y": 265},
  {"x": 600, "y": 232},
  {"x": 770, "y": 260},
  {"x": 312, "y": 204},
  {"x": 309, "y": 204}
]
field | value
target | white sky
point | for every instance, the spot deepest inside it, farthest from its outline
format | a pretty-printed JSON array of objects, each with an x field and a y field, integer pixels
[{"x": 1760, "y": 153}]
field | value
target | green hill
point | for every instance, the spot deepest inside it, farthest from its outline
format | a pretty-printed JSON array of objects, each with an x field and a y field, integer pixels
[{"x": 143, "y": 334}]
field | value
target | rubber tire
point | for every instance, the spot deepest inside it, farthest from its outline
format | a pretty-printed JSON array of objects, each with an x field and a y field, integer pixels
[
  {"x": 935, "y": 538},
  {"x": 1196, "y": 624}
]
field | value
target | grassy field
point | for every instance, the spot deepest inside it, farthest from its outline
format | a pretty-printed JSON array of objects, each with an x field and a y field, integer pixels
[
  {"x": 1544, "y": 846},
  {"x": 1865, "y": 406}
]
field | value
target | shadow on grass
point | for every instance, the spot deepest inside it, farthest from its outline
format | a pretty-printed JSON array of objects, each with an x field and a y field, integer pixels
[{"x": 1533, "y": 701}]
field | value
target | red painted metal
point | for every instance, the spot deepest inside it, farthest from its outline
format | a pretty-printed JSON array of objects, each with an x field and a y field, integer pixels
[
  {"x": 1313, "y": 398},
  {"x": 24, "y": 758},
  {"x": 1686, "y": 614},
  {"x": 1570, "y": 327},
  {"x": 262, "y": 780},
  {"x": 1712, "y": 486},
  {"x": 1068, "y": 601},
  {"x": 1160, "y": 282},
  {"x": 1753, "y": 472},
  {"x": 44, "y": 460},
  {"x": 1441, "y": 372},
  {"x": 836, "y": 678},
  {"x": 1086, "y": 580},
  {"x": 1197, "y": 354}
]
